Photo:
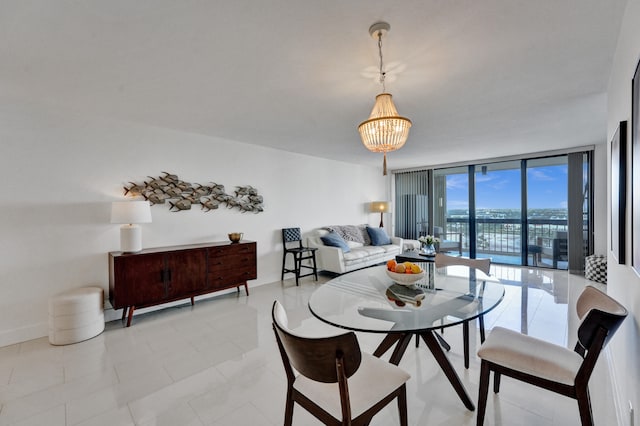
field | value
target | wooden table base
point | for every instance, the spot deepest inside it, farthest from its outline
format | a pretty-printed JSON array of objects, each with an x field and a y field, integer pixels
[{"x": 401, "y": 340}]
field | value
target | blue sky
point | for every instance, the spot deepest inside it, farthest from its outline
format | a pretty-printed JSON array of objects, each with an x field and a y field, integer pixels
[{"x": 501, "y": 189}]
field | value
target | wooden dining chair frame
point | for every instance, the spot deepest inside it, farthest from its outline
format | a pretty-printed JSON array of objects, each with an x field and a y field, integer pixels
[
  {"x": 327, "y": 360},
  {"x": 601, "y": 316}
]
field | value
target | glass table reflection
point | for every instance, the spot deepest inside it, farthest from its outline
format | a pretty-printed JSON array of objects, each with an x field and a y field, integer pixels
[{"x": 454, "y": 295}]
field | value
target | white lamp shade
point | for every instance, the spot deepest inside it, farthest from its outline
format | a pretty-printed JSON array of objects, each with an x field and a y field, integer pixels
[{"x": 130, "y": 212}]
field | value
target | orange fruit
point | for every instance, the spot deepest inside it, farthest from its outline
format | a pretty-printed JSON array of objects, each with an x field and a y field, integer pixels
[
  {"x": 400, "y": 268},
  {"x": 391, "y": 265}
]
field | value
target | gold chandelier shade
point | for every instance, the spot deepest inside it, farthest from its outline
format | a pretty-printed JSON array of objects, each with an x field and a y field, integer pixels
[{"x": 385, "y": 130}]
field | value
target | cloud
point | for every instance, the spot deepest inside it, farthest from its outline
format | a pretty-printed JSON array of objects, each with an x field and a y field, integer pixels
[
  {"x": 457, "y": 182},
  {"x": 537, "y": 174}
]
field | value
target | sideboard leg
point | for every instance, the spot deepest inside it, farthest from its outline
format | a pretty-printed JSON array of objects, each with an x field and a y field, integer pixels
[
  {"x": 131, "y": 309},
  {"x": 192, "y": 302},
  {"x": 124, "y": 312},
  {"x": 246, "y": 288}
]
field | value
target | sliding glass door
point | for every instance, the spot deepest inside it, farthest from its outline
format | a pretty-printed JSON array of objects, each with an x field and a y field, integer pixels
[
  {"x": 534, "y": 212},
  {"x": 498, "y": 207},
  {"x": 451, "y": 209},
  {"x": 547, "y": 212}
]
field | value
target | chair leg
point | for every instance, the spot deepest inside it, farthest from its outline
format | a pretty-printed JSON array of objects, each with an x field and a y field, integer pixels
[
  {"x": 481, "y": 325},
  {"x": 417, "y": 340},
  {"x": 584, "y": 405},
  {"x": 284, "y": 262},
  {"x": 315, "y": 267},
  {"x": 402, "y": 405},
  {"x": 483, "y": 391},
  {"x": 297, "y": 262},
  {"x": 288, "y": 410},
  {"x": 496, "y": 382},
  {"x": 465, "y": 342}
]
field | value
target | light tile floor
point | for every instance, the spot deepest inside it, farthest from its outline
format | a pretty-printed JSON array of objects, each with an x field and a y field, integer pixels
[{"x": 217, "y": 363}]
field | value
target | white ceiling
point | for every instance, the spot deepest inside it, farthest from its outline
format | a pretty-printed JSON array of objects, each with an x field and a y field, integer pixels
[{"x": 478, "y": 78}]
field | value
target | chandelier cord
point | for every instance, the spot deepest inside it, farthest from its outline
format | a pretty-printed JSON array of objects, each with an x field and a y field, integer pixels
[{"x": 382, "y": 73}]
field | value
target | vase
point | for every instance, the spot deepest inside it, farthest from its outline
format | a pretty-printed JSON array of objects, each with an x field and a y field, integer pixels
[{"x": 428, "y": 249}]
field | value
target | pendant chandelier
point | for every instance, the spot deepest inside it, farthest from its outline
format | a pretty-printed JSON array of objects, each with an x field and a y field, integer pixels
[{"x": 385, "y": 130}]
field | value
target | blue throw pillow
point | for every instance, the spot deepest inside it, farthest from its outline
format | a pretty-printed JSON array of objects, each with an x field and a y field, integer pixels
[
  {"x": 334, "y": 240},
  {"x": 378, "y": 236}
]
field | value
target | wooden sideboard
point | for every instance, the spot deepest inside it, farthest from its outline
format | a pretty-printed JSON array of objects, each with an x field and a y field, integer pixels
[{"x": 159, "y": 275}]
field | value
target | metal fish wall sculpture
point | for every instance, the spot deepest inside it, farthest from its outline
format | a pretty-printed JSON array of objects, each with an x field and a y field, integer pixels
[{"x": 181, "y": 195}]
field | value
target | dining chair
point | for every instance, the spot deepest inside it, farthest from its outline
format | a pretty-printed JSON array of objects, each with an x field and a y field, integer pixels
[
  {"x": 483, "y": 265},
  {"x": 449, "y": 241},
  {"x": 332, "y": 379},
  {"x": 292, "y": 243},
  {"x": 549, "y": 366}
]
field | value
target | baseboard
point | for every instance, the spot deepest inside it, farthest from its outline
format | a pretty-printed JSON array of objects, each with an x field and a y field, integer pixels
[
  {"x": 19, "y": 335},
  {"x": 619, "y": 406}
]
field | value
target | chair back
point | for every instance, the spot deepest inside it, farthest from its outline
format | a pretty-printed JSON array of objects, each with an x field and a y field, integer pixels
[
  {"x": 597, "y": 311},
  {"x": 291, "y": 235},
  {"x": 315, "y": 358},
  {"x": 444, "y": 260}
]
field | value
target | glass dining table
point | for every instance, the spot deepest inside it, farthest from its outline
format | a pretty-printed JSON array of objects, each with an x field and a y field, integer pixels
[{"x": 365, "y": 301}]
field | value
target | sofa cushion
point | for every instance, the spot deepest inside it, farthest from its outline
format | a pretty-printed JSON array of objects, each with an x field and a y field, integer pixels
[
  {"x": 335, "y": 240},
  {"x": 348, "y": 233},
  {"x": 352, "y": 233},
  {"x": 378, "y": 236},
  {"x": 365, "y": 234}
]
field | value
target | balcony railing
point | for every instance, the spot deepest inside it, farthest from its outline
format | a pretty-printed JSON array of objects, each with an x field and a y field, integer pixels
[{"x": 502, "y": 238}]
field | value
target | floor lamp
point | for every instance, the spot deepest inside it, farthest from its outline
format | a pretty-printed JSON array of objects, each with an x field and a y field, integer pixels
[{"x": 381, "y": 207}]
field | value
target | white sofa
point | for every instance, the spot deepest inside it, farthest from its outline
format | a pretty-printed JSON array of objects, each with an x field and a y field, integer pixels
[{"x": 361, "y": 254}]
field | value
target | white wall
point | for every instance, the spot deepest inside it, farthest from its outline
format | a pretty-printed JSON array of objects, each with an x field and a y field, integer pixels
[
  {"x": 623, "y": 283},
  {"x": 60, "y": 171}
]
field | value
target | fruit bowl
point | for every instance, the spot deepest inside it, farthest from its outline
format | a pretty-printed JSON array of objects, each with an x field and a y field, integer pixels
[{"x": 405, "y": 279}]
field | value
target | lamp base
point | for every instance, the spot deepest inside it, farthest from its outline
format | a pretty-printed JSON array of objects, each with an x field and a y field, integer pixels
[
  {"x": 130, "y": 238},
  {"x": 381, "y": 224}
]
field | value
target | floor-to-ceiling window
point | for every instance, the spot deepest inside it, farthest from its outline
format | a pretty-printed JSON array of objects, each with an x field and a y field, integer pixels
[
  {"x": 547, "y": 212},
  {"x": 516, "y": 212},
  {"x": 451, "y": 205},
  {"x": 498, "y": 207}
]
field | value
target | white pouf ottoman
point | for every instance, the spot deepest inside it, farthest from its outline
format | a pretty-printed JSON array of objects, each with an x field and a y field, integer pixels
[{"x": 76, "y": 315}]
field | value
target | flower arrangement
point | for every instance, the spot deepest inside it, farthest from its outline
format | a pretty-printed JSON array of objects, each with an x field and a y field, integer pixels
[{"x": 428, "y": 239}]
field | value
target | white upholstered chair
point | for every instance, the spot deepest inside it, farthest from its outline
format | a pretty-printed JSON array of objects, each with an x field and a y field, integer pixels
[
  {"x": 332, "y": 379},
  {"x": 549, "y": 366},
  {"x": 483, "y": 265},
  {"x": 449, "y": 241}
]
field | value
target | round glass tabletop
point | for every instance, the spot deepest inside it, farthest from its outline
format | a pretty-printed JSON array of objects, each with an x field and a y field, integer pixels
[{"x": 369, "y": 300}]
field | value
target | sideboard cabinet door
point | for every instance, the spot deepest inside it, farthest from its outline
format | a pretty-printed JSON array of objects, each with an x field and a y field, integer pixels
[
  {"x": 186, "y": 273},
  {"x": 142, "y": 280}
]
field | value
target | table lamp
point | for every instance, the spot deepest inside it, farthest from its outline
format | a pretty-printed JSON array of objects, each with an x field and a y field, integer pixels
[
  {"x": 130, "y": 214},
  {"x": 379, "y": 206}
]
